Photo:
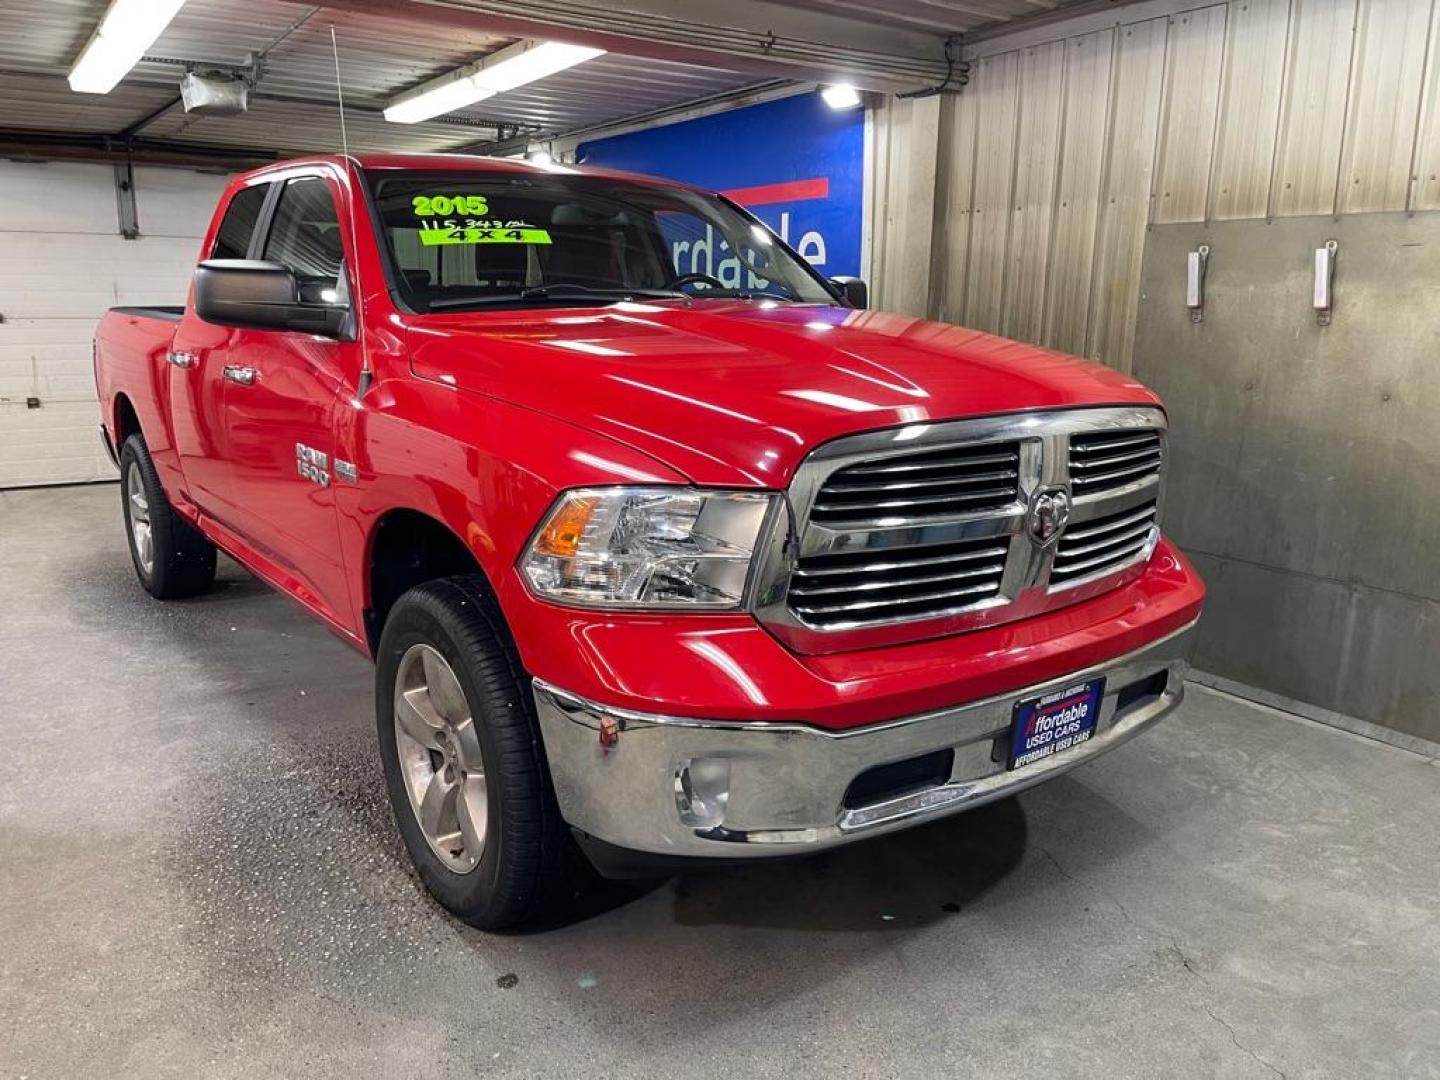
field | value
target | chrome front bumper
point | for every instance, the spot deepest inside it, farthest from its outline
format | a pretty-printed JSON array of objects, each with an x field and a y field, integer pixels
[{"x": 682, "y": 787}]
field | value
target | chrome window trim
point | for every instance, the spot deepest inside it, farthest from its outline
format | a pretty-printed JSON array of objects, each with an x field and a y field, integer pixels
[{"x": 1025, "y": 589}]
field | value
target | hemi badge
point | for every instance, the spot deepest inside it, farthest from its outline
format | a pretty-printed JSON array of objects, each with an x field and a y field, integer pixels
[{"x": 345, "y": 470}]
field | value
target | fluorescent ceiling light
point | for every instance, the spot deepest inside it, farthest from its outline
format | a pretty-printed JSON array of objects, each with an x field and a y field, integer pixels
[
  {"x": 841, "y": 96},
  {"x": 437, "y": 98},
  {"x": 127, "y": 30},
  {"x": 513, "y": 66}
]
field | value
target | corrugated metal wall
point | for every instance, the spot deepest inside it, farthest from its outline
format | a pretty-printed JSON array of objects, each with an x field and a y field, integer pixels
[
  {"x": 1050, "y": 165},
  {"x": 904, "y": 243}
]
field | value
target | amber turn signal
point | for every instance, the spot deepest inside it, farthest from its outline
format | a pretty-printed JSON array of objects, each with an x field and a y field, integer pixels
[{"x": 566, "y": 528}]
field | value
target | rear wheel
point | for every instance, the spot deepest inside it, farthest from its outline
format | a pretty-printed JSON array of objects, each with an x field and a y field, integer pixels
[
  {"x": 464, "y": 762},
  {"x": 172, "y": 558}
]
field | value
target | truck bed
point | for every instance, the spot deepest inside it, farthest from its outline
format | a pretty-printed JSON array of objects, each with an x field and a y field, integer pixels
[
  {"x": 131, "y": 347},
  {"x": 165, "y": 312}
]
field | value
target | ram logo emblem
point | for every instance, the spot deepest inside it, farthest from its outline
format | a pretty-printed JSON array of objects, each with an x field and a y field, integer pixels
[
  {"x": 1049, "y": 510},
  {"x": 312, "y": 464}
]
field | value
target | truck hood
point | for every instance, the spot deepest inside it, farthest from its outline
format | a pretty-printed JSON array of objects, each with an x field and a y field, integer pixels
[{"x": 737, "y": 393}]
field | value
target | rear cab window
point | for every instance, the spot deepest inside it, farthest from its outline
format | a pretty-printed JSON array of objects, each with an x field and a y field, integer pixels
[{"x": 232, "y": 240}]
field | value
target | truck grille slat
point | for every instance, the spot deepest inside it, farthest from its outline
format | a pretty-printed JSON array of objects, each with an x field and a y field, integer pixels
[
  {"x": 1087, "y": 482},
  {"x": 894, "y": 583},
  {"x": 863, "y": 605},
  {"x": 1110, "y": 541},
  {"x": 927, "y": 485},
  {"x": 906, "y": 485},
  {"x": 804, "y": 591},
  {"x": 1077, "y": 533},
  {"x": 905, "y": 465},
  {"x": 996, "y": 552},
  {"x": 1083, "y": 444},
  {"x": 1104, "y": 460},
  {"x": 1113, "y": 541},
  {"x": 1114, "y": 559},
  {"x": 985, "y": 494},
  {"x": 1145, "y": 455}
]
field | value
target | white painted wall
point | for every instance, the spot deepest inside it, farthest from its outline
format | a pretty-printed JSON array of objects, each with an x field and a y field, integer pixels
[{"x": 62, "y": 263}]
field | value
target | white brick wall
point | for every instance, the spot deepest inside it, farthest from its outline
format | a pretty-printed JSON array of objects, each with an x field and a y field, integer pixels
[{"x": 62, "y": 263}]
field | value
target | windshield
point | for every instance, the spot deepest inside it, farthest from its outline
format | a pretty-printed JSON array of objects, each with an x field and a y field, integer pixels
[{"x": 466, "y": 240}]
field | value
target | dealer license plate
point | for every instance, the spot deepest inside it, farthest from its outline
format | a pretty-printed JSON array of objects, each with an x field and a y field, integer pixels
[{"x": 1054, "y": 722}]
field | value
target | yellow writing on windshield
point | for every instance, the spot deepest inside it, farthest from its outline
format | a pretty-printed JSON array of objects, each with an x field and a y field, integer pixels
[{"x": 440, "y": 205}]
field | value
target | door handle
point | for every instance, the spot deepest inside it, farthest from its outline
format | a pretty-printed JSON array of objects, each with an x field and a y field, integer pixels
[
  {"x": 236, "y": 373},
  {"x": 181, "y": 359}
]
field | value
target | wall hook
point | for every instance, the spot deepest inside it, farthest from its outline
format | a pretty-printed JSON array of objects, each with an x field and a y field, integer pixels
[
  {"x": 1323, "y": 300},
  {"x": 1195, "y": 265}
]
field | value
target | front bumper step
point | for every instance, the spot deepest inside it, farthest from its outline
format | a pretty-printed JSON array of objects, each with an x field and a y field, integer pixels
[{"x": 682, "y": 787}]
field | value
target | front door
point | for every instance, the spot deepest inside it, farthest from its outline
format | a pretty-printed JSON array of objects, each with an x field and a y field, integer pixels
[{"x": 280, "y": 392}]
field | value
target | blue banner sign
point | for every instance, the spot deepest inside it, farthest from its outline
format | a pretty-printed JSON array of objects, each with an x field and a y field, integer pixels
[{"x": 795, "y": 163}]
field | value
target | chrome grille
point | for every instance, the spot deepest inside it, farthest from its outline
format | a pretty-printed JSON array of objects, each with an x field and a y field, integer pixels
[
  {"x": 883, "y": 584},
  {"x": 1105, "y": 460},
  {"x": 1102, "y": 545},
  {"x": 916, "y": 487},
  {"x": 930, "y": 529}
]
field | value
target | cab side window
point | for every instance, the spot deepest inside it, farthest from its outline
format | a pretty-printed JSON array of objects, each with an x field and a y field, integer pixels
[
  {"x": 305, "y": 238},
  {"x": 232, "y": 241}
]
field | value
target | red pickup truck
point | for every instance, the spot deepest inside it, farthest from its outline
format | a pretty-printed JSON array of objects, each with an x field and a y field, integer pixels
[{"x": 665, "y": 548}]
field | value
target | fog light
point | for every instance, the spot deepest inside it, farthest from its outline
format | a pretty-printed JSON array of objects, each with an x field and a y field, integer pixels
[{"x": 702, "y": 788}]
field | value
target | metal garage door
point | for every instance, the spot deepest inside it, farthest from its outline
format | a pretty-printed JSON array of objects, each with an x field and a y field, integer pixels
[{"x": 62, "y": 263}]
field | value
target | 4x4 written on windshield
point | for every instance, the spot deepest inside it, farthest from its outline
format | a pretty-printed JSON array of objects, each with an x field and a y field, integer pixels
[{"x": 437, "y": 233}]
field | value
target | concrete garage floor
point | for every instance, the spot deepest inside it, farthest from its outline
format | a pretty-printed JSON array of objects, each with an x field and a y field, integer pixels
[{"x": 199, "y": 877}]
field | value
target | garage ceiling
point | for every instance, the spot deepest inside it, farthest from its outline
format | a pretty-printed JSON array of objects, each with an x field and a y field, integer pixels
[
  {"x": 293, "y": 107},
  {"x": 937, "y": 16},
  {"x": 660, "y": 58}
]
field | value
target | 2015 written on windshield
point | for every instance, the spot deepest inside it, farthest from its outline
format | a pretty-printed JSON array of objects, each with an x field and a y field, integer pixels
[{"x": 440, "y": 205}]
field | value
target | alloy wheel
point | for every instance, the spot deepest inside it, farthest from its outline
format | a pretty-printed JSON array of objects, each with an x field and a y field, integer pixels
[
  {"x": 440, "y": 760},
  {"x": 141, "y": 532}
]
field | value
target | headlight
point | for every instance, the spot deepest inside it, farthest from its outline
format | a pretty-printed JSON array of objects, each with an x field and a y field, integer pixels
[{"x": 647, "y": 547}]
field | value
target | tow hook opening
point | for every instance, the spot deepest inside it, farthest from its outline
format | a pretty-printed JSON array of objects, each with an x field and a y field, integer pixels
[
  {"x": 891, "y": 781},
  {"x": 1141, "y": 692}
]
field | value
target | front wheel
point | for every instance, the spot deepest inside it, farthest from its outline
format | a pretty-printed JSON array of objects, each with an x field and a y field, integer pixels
[{"x": 463, "y": 759}]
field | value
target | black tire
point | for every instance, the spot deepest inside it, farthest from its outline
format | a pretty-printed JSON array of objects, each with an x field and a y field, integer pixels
[
  {"x": 182, "y": 560},
  {"x": 530, "y": 866}
]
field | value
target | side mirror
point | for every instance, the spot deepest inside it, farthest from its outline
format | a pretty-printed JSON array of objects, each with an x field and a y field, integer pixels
[
  {"x": 261, "y": 296},
  {"x": 855, "y": 292}
]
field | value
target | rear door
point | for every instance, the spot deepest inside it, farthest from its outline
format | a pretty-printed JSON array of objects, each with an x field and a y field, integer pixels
[
  {"x": 197, "y": 359},
  {"x": 279, "y": 397}
]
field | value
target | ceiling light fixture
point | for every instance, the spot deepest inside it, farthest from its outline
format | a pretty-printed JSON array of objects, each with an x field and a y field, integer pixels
[
  {"x": 515, "y": 65},
  {"x": 127, "y": 30},
  {"x": 841, "y": 96}
]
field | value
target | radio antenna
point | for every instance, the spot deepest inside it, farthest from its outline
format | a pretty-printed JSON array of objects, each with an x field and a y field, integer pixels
[{"x": 352, "y": 190}]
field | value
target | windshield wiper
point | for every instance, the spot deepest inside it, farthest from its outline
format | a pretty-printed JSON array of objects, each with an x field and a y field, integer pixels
[
  {"x": 743, "y": 294},
  {"x": 561, "y": 291}
]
